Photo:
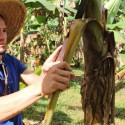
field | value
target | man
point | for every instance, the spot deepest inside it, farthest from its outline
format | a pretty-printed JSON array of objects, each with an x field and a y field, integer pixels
[{"x": 55, "y": 75}]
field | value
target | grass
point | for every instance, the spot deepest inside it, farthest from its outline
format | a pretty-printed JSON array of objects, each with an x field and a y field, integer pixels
[
  {"x": 69, "y": 109},
  {"x": 78, "y": 72},
  {"x": 120, "y": 103},
  {"x": 122, "y": 55}
]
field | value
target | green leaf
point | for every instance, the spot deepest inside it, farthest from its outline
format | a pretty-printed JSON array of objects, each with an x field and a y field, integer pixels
[
  {"x": 70, "y": 9},
  {"x": 38, "y": 70},
  {"x": 33, "y": 26},
  {"x": 123, "y": 5},
  {"x": 41, "y": 19},
  {"x": 53, "y": 22},
  {"x": 48, "y": 6},
  {"x": 70, "y": 18},
  {"x": 22, "y": 85},
  {"x": 54, "y": 1},
  {"x": 120, "y": 25},
  {"x": 119, "y": 37},
  {"x": 113, "y": 7}
]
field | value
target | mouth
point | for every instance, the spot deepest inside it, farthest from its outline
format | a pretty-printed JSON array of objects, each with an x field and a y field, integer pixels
[
  {"x": 2, "y": 45},
  {"x": 2, "y": 42}
]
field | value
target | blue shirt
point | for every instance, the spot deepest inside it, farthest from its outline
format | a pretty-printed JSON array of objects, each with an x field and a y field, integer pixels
[{"x": 14, "y": 68}]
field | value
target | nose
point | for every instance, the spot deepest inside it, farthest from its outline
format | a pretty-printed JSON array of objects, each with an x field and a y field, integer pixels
[{"x": 1, "y": 34}]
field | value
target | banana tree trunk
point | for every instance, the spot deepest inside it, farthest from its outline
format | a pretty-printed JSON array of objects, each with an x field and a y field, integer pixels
[{"x": 97, "y": 88}]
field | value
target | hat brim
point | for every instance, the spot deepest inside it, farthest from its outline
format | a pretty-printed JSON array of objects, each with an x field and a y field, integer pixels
[{"x": 14, "y": 14}]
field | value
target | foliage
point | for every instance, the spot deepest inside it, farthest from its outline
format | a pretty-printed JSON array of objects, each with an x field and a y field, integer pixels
[
  {"x": 43, "y": 31},
  {"x": 116, "y": 18},
  {"x": 113, "y": 7},
  {"x": 37, "y": 71},
  {"x": 69, "y": 105},
  {"x": 115, "y": 23},
  {"x": 47, "y": 24},
  {"x": 65, "y": 113},
  {"x": 69, "y": 46}
]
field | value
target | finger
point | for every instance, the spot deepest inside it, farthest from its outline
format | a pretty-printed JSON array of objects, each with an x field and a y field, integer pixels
[
  {"x": 64, "y": 66},
  {"x": 60, "y": 86},
  {"x": 72, "y": 76},
  {"x": 61, "y": 79},
  {"x": 56, "y": 65},
  {"x": 48, "y": 66},
  {"x": 67, "y": 74},
  {"x": 54, "y": 55},
  {"x": 63, "y": 73}
]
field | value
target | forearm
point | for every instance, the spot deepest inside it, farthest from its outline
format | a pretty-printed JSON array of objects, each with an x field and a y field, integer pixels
[{"x": 13, "y": 104}]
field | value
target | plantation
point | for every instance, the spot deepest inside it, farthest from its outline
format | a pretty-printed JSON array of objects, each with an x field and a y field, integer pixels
[
  {"x": 69, "y": 108},
  {"x": 95, "y": 51}
]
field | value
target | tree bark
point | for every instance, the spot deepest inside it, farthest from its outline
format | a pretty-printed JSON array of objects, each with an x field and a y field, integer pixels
[
  {"x": 99, "y": 78},
  {"x": 97, "y": 90}
]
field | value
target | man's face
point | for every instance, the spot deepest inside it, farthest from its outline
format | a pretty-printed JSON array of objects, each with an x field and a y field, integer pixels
[{"x": 3, "y": 36}]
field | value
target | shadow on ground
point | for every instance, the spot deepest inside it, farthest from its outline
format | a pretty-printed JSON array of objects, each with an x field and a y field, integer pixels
[
  {"x": 119, "y": 85},
  {"x": 120, "y": 113},
  {"x": 35, "y": 114}
]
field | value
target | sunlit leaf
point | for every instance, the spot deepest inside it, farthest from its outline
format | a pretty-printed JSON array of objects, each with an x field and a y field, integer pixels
[
  {"x": 113, "y": 7},
  {"x": 41, "y": 19},
  {"x": 119, "y": 37},
  {"x": 38, "y": 70},
  {"x": 117, "y": 25},
  {"x": 48, "y": 6}
]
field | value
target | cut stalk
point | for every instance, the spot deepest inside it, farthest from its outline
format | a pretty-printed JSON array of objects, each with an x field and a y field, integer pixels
[
  {"x": 66, "y": 54},
  {"x": 120, "y": 75}
]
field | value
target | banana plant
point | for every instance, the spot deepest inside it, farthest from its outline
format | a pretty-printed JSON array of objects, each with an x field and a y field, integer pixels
[
  {"x": 97, "y": 88},
  {"x": 98, "y": 84},
  {"x": 48, "y": 6},
  {"x": 113, "y": 7},
  {"x": 66, "y": 54}
]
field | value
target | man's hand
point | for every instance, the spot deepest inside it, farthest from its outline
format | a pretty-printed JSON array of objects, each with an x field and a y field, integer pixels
[{"x": 55, "y": 75}]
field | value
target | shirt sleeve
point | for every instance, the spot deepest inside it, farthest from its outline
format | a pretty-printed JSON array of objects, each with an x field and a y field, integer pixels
[{"x": 20, "y": 67}]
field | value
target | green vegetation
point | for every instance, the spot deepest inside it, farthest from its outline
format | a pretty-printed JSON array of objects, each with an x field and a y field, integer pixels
[
  {"x": 122, "y": 55},
  {"x": 120, "y": 104},
  {"x": 69, "y": 108},
  {"x": 46, "y": 27}
]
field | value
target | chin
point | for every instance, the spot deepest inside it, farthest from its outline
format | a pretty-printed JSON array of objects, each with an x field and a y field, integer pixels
[{"x": 2, "y": 52}]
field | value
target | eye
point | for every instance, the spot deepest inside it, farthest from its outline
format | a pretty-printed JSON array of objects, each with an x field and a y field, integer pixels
[{"x": 5, "y": 30}]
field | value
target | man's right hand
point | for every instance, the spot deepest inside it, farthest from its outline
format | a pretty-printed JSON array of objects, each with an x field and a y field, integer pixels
[{"x": 55, "y": 75}]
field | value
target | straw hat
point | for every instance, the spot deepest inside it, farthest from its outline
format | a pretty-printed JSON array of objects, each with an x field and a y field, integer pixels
[{"x": 14, "y": 14}]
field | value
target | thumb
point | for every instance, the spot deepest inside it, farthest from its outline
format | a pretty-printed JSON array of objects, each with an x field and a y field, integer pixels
[
  {"x": 54, "y": 55},
  {"x": 72, "y": 76},
  {"x": 49, "y": 65}
]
